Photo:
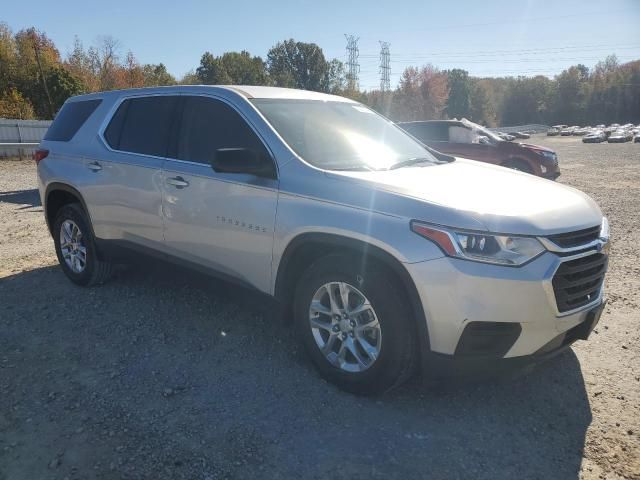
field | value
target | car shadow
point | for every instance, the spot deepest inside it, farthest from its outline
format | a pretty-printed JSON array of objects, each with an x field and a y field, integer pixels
[
  {"x": 28, "y": 198},
  {"x": 203, "y": 377}
]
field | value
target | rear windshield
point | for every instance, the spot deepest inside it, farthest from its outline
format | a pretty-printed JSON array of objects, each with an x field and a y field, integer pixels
[{"x": 69, "y": 120}]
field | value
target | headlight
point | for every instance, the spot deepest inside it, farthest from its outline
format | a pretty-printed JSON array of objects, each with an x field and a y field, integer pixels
[
  {"x": 548, "y": 155},
  {"x": 604, "y": 230},
  {"x": 506, "y": 250}
]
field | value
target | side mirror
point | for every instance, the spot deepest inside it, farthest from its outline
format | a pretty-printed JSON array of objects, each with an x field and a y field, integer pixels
[
  {"x": 242, "y": 160},
  {"x": 483, "y": 140}
]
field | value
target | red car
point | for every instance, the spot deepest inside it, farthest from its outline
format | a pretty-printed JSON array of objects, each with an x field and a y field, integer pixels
[{"x": 462, "y": 138}]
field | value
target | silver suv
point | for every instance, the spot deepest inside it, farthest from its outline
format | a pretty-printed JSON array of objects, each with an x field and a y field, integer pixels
[{"x": 386, "y": 255}]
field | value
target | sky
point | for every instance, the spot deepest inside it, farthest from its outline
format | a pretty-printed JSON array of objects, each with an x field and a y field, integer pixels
[{"x": 487, "y": 38}]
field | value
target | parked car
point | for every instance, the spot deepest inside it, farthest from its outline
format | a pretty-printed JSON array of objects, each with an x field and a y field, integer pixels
[
  {"x": 620, "y": 136},
  {"x": 580, "y": 131},
  {"x": 636, "y": 139},
  {"x": 383, "y": 254},
  {"x": 553, "y": 132},
  {"x": 596, "y": 136},
  {"x": 521, "y": 135},
  {"x": 506, "y": 137},
  {"x": 567, "y": 132},
  {"x": 466, "y": 139}
]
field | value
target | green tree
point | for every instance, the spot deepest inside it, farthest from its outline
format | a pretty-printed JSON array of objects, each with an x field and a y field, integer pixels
[
  {"x": 482, "y": 108},
  {"x": 299, "y": 65},
  {"x": 62, "y": 85},
  {"x": 459, "y": 100},
  {"x": 243, "y": 69},
  {"x": 528, "y": 100},
  {"x": 8, "y": 58},
  {"x": 570, "y": 98},
  {"x": 155, "y": 75},
  {"x": 211, "y": 71}
]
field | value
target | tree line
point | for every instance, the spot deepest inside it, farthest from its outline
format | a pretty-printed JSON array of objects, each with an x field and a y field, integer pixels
[{"x": 35, "y": 80}]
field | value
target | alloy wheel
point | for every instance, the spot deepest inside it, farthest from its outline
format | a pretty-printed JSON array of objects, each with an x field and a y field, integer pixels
[
  {"x": 72, "y": 246},
  {"x": 345, "y": 326}
]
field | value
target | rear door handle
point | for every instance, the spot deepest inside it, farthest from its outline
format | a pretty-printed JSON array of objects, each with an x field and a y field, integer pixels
[
  {"x": 95, "y": 166},
  {"x": 177, "y": 182}
]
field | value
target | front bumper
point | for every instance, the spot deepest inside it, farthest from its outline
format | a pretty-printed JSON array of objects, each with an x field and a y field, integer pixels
[
  {"x": 551, "y": 175},
  {"x": 439, "y": 365},
  {"x": 458, "y": 293}
]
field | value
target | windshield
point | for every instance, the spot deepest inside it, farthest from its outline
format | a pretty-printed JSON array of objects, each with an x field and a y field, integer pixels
[{"x": 341, "y": 135}]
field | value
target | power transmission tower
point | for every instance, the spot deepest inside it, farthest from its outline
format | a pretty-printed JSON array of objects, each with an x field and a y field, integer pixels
[
  {"x": 385, "y": 68},
  {"x": 353, "y": 67}
]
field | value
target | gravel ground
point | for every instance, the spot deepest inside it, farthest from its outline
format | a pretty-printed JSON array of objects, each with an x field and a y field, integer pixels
[{"x": 163, "y": 373}]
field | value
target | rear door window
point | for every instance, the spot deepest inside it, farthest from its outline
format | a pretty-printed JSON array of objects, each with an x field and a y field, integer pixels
[
  {"x": 209, "y": 124},
  {"x": 70, "y": 118},
  {"x": 143, "y": 125}
]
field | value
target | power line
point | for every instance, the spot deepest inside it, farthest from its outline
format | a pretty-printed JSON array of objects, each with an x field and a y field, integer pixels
[
  {"x": 501, "y": 53},
  {"x": 385, "y": 68},
  {"x": 431, "y": 28},
  {"x": 353, "y": 67}
]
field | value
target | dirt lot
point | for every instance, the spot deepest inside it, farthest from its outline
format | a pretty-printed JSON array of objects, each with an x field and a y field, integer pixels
[{"x": 163, "y": 373}]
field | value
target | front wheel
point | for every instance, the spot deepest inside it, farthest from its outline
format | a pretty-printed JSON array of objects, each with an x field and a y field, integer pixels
[
  {"x": 355, "y": 325},
  {"x": 519, "y": 165},
  {"x": 75, "y": 247}
]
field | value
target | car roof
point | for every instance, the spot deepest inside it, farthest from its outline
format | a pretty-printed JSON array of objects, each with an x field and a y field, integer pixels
[
  {"x": 434, "y": 122},
  {"x": 246, "y": 91}
]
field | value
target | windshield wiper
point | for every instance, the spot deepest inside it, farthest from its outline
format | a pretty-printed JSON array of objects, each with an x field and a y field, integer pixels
[{"x": 412, "y": 161}]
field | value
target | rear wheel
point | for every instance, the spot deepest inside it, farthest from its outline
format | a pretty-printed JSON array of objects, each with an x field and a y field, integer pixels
[
  {"x": 519, "y": 165},
  {"x": 354, "y": 325},
  {"x": 75, "y": 247}
]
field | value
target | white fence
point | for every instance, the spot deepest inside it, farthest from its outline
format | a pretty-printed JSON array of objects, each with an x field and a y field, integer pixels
[{"x": 13, "y": 133}]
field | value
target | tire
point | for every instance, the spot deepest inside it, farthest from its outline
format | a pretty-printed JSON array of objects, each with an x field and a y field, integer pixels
[
  {"x": 519, "y": 165},
  {"x": 93, "y": 271},
  {"x": 394, "y": 362}
]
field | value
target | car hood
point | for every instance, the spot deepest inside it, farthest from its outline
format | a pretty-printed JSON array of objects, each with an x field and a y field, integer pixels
[
  {"x": 530, "y": 146},
  {"x": 501, "y": 199}
]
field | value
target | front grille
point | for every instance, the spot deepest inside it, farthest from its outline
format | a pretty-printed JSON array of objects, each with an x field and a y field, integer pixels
[
  {"x": 577, "y": 238},
  {"x": 578, "y": 282}
]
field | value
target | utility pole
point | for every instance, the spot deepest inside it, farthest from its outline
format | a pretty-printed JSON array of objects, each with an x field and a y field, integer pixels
[
  {"x": 353, "y": 67},
  {"x": 36, "y": 48},
  {"x": 385, "y": 68}
]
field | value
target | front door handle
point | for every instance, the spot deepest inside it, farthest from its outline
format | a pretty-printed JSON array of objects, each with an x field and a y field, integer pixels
[
  {"x": 95, "y": 166},
  {"x": 177, "y": 182}
]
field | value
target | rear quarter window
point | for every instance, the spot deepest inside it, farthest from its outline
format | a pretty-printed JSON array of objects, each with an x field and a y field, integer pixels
[{"x": 70, "y": 118}]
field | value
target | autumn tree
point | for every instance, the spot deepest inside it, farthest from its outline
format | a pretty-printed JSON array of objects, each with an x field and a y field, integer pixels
[
  {"x": 14, "y": 105},
  {"x": 421, "y": 94},
  {"x": 134, "y": 76}
]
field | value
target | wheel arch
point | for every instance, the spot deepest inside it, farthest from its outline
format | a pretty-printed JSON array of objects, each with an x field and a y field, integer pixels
[
  {"x": 56, "y": 196},
  {"x": 307, "y": 247},
  {"x": 515, "y": 159}
]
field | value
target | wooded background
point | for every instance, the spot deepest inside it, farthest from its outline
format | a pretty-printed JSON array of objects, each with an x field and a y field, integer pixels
[{"x": 35, "y": 80}]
